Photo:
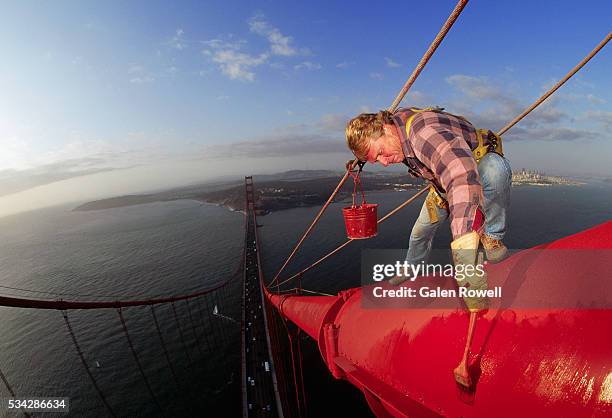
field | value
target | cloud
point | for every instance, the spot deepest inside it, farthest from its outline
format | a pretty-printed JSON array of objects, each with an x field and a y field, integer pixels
[
  {"x": 307, "y": 65},
  {"x": 142, "y": 80},
  {"x": 377, "y": 76},
  {"x": 500, "y": 106},
  {"x": 238, "y": 64},
  {"x": 604, "y": 118},
  {"x": 391, "y": 63},
  {"x": 177, "y": 41},
  {"x": 139, "y": 75},
  {"x": 551, "y": 134},
  {"x": 279, "y": 43},
  {"x": 333, "y": 123},
  {"x": 344, "y": 64},
  {"x": 14, "y": 181},
  {"x": 24, "y": 168},
  {"x": 480, "y": 88},
  {"x": 594, "y": 99},
  {"x": 280, "y": 145},
  {"x": 232, "y": 62}
]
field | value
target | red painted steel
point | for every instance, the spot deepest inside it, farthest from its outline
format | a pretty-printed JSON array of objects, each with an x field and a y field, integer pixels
[{"x": 528, "y": 362}]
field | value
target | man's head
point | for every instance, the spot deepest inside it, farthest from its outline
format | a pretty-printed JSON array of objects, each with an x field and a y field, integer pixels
[{"x": 372, "y": 137}]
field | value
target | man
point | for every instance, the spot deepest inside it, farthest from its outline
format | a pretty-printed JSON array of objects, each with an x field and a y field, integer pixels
[
  {"x": 470, "y": 182},
  {"x": 441, "y": 148}
]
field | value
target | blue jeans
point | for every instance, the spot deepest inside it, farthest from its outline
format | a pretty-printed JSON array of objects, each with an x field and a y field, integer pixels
[{"x": 496, "y": 179}]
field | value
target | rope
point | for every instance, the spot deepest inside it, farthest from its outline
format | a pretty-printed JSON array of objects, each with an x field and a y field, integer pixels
[
  {"x": 161, "y": 338},
  {"x": 432, "y": 48},
  {"x": 178, "y": 325},
  {"x": 559, "y": 84},
  {"x": 142, "y": 373},
  {"x": 381, "y": 220},
  {"x": 80, "y": 353}
]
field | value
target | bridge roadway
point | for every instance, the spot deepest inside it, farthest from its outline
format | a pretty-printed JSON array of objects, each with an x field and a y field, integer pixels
[{"x": 259, "y": 395}]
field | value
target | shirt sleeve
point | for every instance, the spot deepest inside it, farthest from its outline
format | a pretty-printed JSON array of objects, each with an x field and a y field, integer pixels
[{"x": 446, "y": 153}]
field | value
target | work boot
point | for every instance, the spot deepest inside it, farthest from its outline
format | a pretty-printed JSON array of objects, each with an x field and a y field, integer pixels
[
  {"x": 495, "y": 249},
  {"x": 465, "y": 253}
]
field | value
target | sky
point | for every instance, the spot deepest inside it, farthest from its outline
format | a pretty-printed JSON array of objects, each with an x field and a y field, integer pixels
[{"x": 106, "y": 98}]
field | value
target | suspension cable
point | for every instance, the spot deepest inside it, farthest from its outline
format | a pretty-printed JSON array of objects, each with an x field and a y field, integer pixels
[
  {"x": 10, "y": 389},
  {"x": 432, "y": 48},
  {"x": 180, "y": 330},
  {"x": 299, "y": 347},
  {"x": 315, "y": 220},
  {"x": 559, "y": 84},
  {"x": 80, "y": 353},
  {"x": 137, "y": 359},
  {"x": 193, "y": 328},
  {"x": 209, "y": 344},
  {"x": 381, "y": 220},
  {"x": 64, "y": 304},
  {"x": 163, "y": 343}
]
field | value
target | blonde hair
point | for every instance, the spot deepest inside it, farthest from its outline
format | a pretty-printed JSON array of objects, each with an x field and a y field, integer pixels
[{"x": 361, "y": 128}]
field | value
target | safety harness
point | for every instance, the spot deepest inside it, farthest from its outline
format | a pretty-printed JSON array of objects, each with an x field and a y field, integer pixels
[{"x": 488, "y": 141}]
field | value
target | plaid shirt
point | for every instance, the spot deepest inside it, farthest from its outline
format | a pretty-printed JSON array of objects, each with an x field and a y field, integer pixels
[{"x": 439, "y": 149}]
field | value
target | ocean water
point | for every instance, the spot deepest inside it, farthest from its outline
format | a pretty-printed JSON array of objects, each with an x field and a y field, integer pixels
[{"x": 173, "y": 248}]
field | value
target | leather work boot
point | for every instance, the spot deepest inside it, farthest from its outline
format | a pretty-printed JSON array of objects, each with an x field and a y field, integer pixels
[
  {"x": 465, "y": 253},
  {"x": 495, "y": 249}
]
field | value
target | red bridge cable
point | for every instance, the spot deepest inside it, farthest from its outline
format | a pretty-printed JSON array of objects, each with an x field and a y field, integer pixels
[
  {"x": 180, "y": 330},
  {"x": 432, "y": 48},
  {"x": 341, "y": 246},
  {"x": 80, "y": 353},
  {"x": 137, "y": 359},
  {"x": 64, "y": 305},
  {"x": 163, "y": 344},
  {"x": 559, "y": 84}
]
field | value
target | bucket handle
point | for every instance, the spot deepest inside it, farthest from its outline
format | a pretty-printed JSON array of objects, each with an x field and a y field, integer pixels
[{"x": 357, "y": 181}]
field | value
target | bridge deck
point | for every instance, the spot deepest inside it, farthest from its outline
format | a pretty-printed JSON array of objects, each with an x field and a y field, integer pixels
[{"x": 260, "y": 397}]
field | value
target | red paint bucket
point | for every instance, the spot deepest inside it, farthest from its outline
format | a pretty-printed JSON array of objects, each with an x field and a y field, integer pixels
[{"x": 360, "y": 220}]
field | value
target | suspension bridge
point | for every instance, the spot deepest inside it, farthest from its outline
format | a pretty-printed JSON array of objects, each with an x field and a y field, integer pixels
[{"x": 552, "y": 361}]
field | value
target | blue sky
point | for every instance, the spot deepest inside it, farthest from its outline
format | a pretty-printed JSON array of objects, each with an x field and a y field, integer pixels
[{"x": 118, "y": 97}]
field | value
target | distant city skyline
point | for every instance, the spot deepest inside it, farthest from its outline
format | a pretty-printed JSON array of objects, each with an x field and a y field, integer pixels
[{"x": 109, "y": 98}]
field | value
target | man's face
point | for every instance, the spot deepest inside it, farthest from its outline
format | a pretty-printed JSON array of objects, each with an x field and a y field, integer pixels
[{"x": 385, "y": 150}]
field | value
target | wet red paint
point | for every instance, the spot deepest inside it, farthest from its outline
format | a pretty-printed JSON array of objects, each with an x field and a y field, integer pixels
[{"x": 527, "y": 360}]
